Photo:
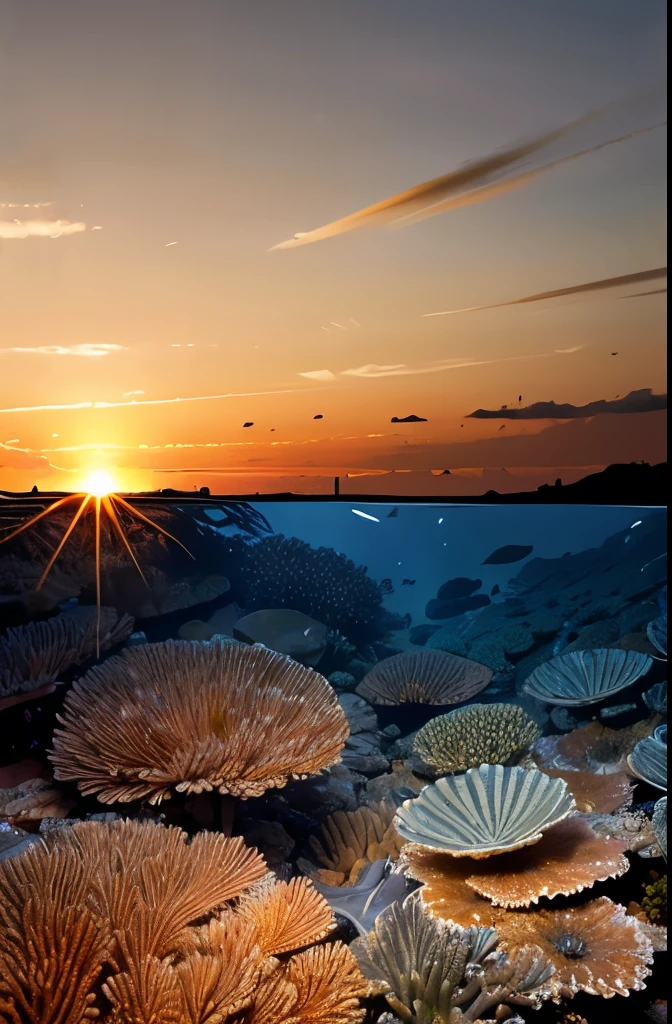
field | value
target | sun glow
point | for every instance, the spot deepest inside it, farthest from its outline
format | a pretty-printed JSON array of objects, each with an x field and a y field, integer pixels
[{"x": 99, "y": 484}]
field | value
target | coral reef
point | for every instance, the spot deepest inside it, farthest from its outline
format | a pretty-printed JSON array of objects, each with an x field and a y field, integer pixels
[
  {"x": 584, "y": 677},
  {"x": 349, "y": 840},
  {"x": 285, "y": 572},
  {"x": 593, "y": 747},
  {"x": 195, "y": 717},
  {"x": 654, "y": 903},
  {"x": 475, "y": 735}
]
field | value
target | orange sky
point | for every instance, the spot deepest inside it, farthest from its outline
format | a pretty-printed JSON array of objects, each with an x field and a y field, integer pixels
[{"x": 226, "y": 133}]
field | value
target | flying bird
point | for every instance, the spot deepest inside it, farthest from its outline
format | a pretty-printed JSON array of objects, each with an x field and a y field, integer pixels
[{"x": 614, "y": 353}]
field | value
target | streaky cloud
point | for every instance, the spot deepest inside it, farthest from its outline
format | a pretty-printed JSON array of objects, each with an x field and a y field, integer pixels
[
  {"x": 643, "y": 400},
  {"x": 324, "y": 375},
  {"x": 12, "y": 229},
  {"x": 480, "y": 195},
  {"x": 147, "y": 401},
  {"x": 641, "y": 295},
  {"x": 90, "y": 351},
  {"x": 577, "y": 289}
]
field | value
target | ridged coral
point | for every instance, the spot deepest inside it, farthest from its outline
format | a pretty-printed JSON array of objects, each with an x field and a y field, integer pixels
[
  {"x": 196, "y": 717},
  {"x": 285, "y": 572},
  {"x": 425, "y": 677},
  {"x": 349, "y": 840},
  {"x": 475, "y": 735},
  {"x": 33, "y": 656}
]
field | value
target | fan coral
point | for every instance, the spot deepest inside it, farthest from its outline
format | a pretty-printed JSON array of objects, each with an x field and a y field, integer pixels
[
  {"x": 654, "y": 903},
  {"x": 584, "y": 677},
  {"x": 351, "y": 839},
  {"x": 593, "y": 747},
  {"x": 486, "y": 811},
  {"x": 431, "y": 971},
  {"x": 425, "y": 677},
  {"x": 33, "y": 800},
  {"x": 569, "y": 858},
  {"x": 33, "y": 656},
  {"x": 285, "y": 572},
  {"x": 594, "y": 948},
  {"x": 197, "y": 717},
  {"x": 656, "y": 698},
  {"x": 132, "y": 934},
  {"x": 656, "y": 631},
  {"x": 475, "y": 735}
]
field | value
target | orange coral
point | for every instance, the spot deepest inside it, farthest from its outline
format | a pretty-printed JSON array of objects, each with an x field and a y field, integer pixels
[
  {"x": 351, "y": 839},
  {"x": 600, "y": 794},
  {"x": 196, "y": 717},
  {"x": 593, "y": 747}
]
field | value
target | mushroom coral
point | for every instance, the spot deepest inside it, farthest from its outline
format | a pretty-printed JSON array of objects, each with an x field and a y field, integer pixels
[
  {"x": 430, "y": 971},
  {"x": 424, "y": 677},
  {"x": 475, "y": 735},
  {"x": 107, "y": 919},
  {"x": 595, "y": 948},
  {"x": 33, "y": 656},
  {"x": 198, "y": 717}
]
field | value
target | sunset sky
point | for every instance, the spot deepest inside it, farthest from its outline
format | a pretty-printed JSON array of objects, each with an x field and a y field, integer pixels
[{"x": 153, "y": 152}]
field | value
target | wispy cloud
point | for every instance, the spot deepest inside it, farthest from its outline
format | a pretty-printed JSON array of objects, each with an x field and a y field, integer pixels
[
  {"x": 475, "y": 182},
  {"x": 577, "y": 289},
  {"x": 641, "y": 295},
  {"x": 10, "y": 229},
  {"x": 92, "y": 351},
  {"x": 132, "y": 394},
  {"x": 568, "y": 351},
  {"x": 372, "y": 370},
  {"x": 325, "y": 375},
  {"x": 636, "y": 401},
  {"x": 133, "y": 403}
]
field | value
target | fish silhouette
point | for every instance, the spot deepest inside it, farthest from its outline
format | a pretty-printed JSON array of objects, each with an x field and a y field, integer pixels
[
  {"x": 408, "y": 583},
  {"x": 386, "y": 586},
  {"x": 508, "y": 554},
  {"x": 248, "y": 424},
  {"x": 393, "y": 514}
]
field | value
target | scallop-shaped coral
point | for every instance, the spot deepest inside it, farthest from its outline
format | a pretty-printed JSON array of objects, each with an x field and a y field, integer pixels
[
  {"x": 656, "y": 631},
  {"x": 585, "y": 677},
  {"x": 486, "y": 811},
  {"x": 656, "y": 698},
  {"x": 424, "y": 677},
  {"x": 475, "y": 735},
  {"x": 594, "y": 948},
  {"x": 196, "y": 717},
  {"x": 648, "y": 760}
]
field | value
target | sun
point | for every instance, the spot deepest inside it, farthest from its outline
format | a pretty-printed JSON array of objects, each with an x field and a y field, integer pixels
[{"x": 99, "y": 484}]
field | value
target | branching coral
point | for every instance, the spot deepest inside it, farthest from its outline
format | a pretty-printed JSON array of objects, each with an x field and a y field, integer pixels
[
  {"x": 196, "y": 717},
  {"x": 475, "y": 735},
  {"x": 435, "y": 973},
  {"x": 350, "y": 840},
  {"x": 594, "y": 948},
  {"x": 425, "y": 677},
  {"x": 114, "y": 911},
  {"x": 285, "y": 572},
  {"x": 32, "y": 657}
]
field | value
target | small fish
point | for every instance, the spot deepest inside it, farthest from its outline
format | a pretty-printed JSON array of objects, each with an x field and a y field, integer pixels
[
  {"x": 614, "y": 353},
  {"x": 520, "y": 398},
  {"x": 393, "y": 514},
  {"x": 503, "y": 427},
  {"x": 248, "y": 424},
  {"x": 319, "y": 416},
  {"x": 408, "y": 583},
  {"x": 386, "y": 586},
  {"x": 508, "y": 553},
  {"x": 495, "y": 590}
]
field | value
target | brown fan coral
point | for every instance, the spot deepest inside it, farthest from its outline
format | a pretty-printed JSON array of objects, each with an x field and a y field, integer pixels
[
  {"x": 594, "y": 948},
  {"x": 600, "y": 794},
  {"x": 197, "y": 717},
  {"x": 474, "y": 735},
  {"x": 570, "y": 857},
  {"x": 113, "y": 908},
  {"x": 424, "y": 677},
  {"x": 593, "y": 747},
  {"x": 351, "y": 839},
  {"x": 33, "y": 656}
]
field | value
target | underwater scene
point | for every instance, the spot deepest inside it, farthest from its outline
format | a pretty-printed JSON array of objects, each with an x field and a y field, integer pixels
[{"x": 294, "y": 762}]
